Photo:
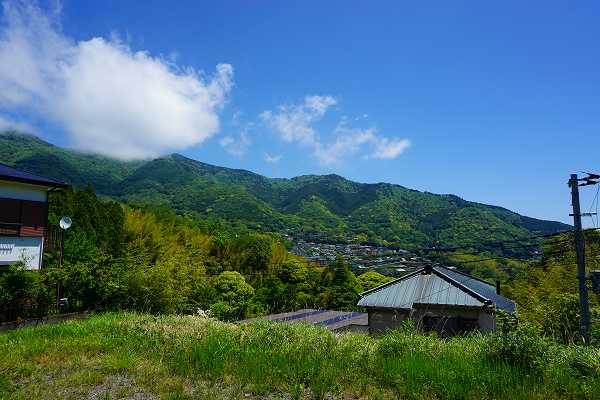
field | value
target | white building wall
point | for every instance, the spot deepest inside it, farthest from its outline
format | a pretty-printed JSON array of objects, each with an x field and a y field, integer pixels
[
  {"x": 22, "y": 191},
  {"x": 27, "y": 249}
]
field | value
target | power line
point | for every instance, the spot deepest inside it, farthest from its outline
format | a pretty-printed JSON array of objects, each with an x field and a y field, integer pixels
[
  {"x": 525, "y": 246},
  {"x": 595, "y": 200},
  {"x": 445, "y": 249}
]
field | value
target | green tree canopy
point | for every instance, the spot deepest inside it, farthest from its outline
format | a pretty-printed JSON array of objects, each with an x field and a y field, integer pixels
[
  {"x": 372, "y": 279},
  {"x": 234, "y": 293}
]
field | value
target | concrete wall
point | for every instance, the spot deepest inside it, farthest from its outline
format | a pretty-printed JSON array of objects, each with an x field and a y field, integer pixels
[
  {"x": 22, "y": 191},
  {"x": 28, "y": 249},
  {"x": 485, "y": 320},
  {"x": 381, "y": 320}
]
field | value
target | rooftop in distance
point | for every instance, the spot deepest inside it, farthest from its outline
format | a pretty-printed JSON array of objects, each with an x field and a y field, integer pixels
[{"x": 332, "y": 320}]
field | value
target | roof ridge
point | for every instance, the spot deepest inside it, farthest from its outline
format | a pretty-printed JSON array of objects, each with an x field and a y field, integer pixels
[
  {"x": 390, "y": 283},
  {"x": 463, "y": 287},
  {"x": 465, "y": 274}
]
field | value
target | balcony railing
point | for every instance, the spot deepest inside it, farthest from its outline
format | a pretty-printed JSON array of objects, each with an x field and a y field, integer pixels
[{"x": 51, "y": 233}]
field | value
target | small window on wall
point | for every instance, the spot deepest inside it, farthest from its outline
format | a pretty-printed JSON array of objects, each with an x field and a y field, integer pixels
[
  {"x": 10, "y": 211},
  {"x": 22, "y": 217},
  {"x": 33, "y": 213},
  {"x": 10, "y": 217}
]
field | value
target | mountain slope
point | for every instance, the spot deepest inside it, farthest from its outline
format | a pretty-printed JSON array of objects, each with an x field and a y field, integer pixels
[
  {"x": 80, "y": 169},
  {"x": 327, "y": 206}
]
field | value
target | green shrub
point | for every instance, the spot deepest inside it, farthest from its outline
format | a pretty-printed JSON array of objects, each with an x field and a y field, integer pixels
[
  {"x": 522, "y": 345},
  {"x": 407, "y": 341},
  {"x": 223, "y": 311},
  {"x": 23, "y": 294},
  {"x": 585, "y": 361}
]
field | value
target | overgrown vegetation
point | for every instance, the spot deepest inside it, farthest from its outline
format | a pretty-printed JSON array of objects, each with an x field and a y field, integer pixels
[
  {"x": 181, "y": 357},
  {"x": 120, "y": 258},
  {"x": 547, "y": 290}
]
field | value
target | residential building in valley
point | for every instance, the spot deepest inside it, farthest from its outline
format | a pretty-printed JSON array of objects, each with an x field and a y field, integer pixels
[{"x": 436, "y": 299}]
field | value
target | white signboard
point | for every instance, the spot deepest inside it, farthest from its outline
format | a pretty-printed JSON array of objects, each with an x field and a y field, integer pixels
[{"x": 26, "y": 249}]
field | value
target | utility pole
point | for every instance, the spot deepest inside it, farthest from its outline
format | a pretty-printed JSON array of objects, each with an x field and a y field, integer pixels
[
  {"x": 64, "y": 223},
  {"x": 580, "y": 250}
]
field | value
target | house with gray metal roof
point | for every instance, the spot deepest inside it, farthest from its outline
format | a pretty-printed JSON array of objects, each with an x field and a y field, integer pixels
[{"x": 436, "y": 299}]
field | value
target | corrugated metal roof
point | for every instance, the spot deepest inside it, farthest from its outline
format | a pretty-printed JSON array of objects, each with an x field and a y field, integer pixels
[
  {"x": 419, "y": 289},
  {"x": 439, "y": 291},
  {"x": 400, "y": 293},
  {"x": 435, "y": 286},
  {"x": 485, "y": 289},
  {"x": 13, "y": 174}
]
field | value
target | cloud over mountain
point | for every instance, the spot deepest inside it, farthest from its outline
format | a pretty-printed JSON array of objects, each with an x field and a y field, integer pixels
[
  {"x": 295, "y": 123},
  {"x": 109, "y": 98}
]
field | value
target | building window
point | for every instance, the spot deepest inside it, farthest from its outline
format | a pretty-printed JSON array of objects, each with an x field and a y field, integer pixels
[{"x": 22, "y": 217}]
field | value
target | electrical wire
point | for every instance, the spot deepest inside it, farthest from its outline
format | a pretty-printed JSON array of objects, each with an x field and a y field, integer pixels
[
  {"x": 475, "y": 252},
  {"x": 496, "y": 243},
  {"x": 595, "y": 200}
]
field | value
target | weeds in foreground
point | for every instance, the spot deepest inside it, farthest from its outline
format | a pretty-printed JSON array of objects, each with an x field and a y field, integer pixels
[{"x": 193, "y": 357}]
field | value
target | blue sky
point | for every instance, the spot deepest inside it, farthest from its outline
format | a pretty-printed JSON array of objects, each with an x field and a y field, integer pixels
[{"x": 497, "y": 102}]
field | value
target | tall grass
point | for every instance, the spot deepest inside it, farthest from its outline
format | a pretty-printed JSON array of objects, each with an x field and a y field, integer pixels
[{"x": 192, "y": 357}]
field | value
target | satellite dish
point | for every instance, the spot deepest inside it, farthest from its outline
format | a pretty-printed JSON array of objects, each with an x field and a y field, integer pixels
[{"x": 65, "y": 223}]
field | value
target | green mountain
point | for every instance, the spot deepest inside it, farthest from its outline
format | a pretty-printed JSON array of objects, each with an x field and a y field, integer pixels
[{"x": 327, "y": 207}]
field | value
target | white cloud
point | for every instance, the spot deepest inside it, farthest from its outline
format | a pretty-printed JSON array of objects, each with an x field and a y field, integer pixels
[
  {"x": 226, "y": 141},
  {"x": 273, "y": 159},
  {"x": 348, "y": 142},
  {"x": 294, "y": 123},
  {"x": 110, "y": 99},
  {"x": 386, "y": 149},
  {"x": 236, "y": 147},
  {"x": 8, "y": 124}
]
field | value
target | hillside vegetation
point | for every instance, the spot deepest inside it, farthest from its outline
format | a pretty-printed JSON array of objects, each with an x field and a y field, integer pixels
[
  {"x": 330, "y": 207},
  {"x": 152, "y": 260},
  {"x": 117, "y": 257},
  {"x": 173, "y": 357}
]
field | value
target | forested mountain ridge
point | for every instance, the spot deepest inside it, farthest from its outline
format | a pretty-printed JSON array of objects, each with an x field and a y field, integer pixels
[{"x": 326, "y": 206}]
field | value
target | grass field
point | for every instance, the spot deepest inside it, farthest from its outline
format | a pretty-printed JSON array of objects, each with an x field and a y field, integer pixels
[{"x": 126, "y": 355}]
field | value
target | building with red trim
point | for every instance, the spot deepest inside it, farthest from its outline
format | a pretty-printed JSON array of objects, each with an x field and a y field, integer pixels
[{"x": 23, "y": 216}]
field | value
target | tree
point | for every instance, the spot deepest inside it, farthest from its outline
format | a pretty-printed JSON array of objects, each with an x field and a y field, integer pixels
[
  {"x": 372, "y": 279},
  {"x": 21, "y": 294},
  {"x": 344, "y": 289},
  {"x": 293, "y": 272},
  {"x": 233, "y": 291},
  {"x": 258, "y": 251}
]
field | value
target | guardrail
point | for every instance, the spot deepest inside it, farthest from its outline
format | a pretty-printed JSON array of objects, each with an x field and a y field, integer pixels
[{"x": 51, "y": 319}]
